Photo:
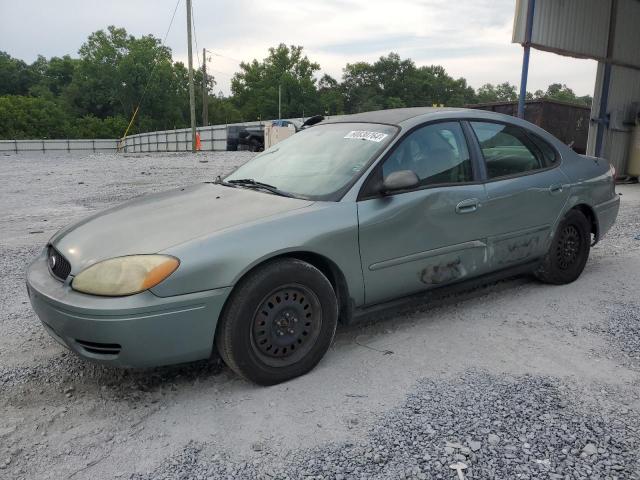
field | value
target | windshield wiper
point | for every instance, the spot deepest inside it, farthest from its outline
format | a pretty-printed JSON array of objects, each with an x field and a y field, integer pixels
[{"x": 251, "y": 183}]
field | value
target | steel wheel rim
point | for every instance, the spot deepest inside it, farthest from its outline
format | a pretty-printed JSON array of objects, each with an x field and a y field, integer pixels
[
  {"x": 569, "y": 246},
  {"x": 286, "y": 325}
]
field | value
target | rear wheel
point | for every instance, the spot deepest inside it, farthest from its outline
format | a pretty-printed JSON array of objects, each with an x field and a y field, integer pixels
[
  {"x": 255, "y": 145},
  {"x": 568, "y": 252},
  {"x": 279, "y": 322}
]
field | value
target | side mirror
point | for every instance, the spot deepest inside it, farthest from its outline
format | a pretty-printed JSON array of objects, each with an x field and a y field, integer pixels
[
  {"x": 312, "y": 121},
  {"x": 400, "y": 180}
]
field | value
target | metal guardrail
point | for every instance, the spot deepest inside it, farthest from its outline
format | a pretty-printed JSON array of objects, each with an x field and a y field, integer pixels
[
  {"x": 212, "y": 138},
  {"x": 59, "y": 145}
]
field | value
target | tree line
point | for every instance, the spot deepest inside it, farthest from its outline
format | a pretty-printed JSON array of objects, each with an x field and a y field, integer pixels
[{"x": 115, "y": 73}]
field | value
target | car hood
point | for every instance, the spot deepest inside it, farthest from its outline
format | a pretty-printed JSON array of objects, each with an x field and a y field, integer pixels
[{"x": 152, "y": 223}]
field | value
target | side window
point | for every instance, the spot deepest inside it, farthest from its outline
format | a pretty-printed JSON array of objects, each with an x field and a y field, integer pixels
[
  {"x": 508, "y": 150},
  {"x": 549, "y": 155},
  {"x": 437, "y": 153}
]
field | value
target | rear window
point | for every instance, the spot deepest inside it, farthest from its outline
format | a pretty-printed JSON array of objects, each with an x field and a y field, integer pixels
[{"x": 509, "y": 150}]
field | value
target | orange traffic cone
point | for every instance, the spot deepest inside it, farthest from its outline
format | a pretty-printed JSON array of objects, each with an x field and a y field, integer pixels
[{"x": 198, "y": 144}]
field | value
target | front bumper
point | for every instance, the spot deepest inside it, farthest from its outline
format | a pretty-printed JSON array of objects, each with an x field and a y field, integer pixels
[{"x": 141, "y": 330}]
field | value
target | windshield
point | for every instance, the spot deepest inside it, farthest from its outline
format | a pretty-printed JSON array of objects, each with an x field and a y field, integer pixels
[{"x": 318, "y": 162}]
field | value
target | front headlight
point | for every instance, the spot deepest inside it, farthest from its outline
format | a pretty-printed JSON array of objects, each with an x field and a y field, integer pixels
[{"x": 125, "y": 275}]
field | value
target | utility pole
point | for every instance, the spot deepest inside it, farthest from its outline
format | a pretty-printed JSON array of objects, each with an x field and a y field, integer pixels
[
  {"x": 205, "y": 100},
  {"x": 279, "y": 102},
  {"x": 531, "y": 4},
  {"x": 192, "y": 97}
]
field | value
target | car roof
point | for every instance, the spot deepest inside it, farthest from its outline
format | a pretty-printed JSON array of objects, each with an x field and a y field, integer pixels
[
  {"x": 407, "y": 118},
  {"x": 393, "y": 116}
]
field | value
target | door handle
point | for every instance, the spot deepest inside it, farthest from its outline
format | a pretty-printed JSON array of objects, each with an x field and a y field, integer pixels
[
  {"x": 555, "y": 189},
  {"x": 467, "y": 206}
]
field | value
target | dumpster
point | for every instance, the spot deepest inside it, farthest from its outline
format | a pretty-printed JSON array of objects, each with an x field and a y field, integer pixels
[{"x": 568, "y": 122}]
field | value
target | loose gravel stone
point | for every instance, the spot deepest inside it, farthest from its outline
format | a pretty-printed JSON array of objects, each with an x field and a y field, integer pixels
[
  {"x": 117, "y": 421},
  {"x": 624, "y": 329},
  {"x": 417, "y": 439},
  {"x": 475, "y": 446}
]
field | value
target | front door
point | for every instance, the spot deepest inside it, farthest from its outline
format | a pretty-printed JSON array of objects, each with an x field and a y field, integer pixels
[{"x": 428, "y": 236}]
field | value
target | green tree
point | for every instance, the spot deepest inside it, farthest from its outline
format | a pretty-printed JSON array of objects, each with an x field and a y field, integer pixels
[
  {"x": 54, "y": 76},
  {"x": 392, "y": 82},
  {"x": 117, "y": 71},
  {"x": 503, "y": 92},
  {"x": 23, "y": 117},
  {"x": 96, "y": 94},
  {"x": 90, "y": 126},
  {"x": 16, "y": 77},
  {"x": 362, "y": 92},
  {"x": 331, "y": 96},
  {"x": 222, "y": 110},
  {"x": 559, "y": 91},
  {"x": 255, "y": 87}
]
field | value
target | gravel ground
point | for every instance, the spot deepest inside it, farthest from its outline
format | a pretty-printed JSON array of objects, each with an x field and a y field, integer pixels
[
  {"x": 623, "y": 331},
  {"x": 498, "y": 427},
  {"x": 515, "y": 379}
]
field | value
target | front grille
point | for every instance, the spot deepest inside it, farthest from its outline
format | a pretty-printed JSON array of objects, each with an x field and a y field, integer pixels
[
  {"x": 58, "y": 265},
  {"x": 100, "y": 348}
]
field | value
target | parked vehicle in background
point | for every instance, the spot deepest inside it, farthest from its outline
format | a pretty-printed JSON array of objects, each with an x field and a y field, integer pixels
[
  {"x": 322, "y": 228},
  {"x": 279, "y": 130},
  {"x": 241, "y": 137},
  {"x": 252, "y": 137}
]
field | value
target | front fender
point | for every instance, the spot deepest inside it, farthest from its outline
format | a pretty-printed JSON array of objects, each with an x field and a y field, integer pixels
[{"x": 329, "y": 229}]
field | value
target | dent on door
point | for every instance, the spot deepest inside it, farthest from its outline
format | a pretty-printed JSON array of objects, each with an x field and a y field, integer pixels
[
  {"x": 419, "y": 240},
  {"x": 518, "y": 246}
]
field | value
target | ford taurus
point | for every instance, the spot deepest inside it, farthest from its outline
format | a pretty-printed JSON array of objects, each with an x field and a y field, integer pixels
[{"x": 352, "y": 213}]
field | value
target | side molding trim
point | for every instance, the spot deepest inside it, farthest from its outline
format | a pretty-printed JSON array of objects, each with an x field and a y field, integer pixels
[{"x": 429, "y": 253}]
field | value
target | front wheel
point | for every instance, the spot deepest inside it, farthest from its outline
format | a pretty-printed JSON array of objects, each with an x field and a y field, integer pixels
[
  {"x": 279, "y": 322},
  {"x": 569, "y": 250}
]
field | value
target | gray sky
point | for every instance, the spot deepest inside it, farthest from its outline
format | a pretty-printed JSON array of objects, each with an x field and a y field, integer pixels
[{"x": 470, "y": 38}]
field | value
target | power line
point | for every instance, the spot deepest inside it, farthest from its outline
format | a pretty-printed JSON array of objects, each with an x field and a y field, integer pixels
[
  {"x": 221, "y": 72},
  {"x": 146, "y": 87},
  {"x": 171, "y": 22},
  {"x": 164, "y": 40},
  {"x": 224, "y": 56},
  {"x": 195, "y": 38}
]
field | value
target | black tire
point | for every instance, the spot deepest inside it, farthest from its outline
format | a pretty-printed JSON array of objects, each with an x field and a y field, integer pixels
[
  {"x": 569, "y": 250},
  {"x": 256, "y": 145},
  {"x": 278, "y": 323}
]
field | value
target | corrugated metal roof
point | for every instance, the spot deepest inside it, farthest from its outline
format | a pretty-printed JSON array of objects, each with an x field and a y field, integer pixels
[
  {"x": 580, "y": 28},
  {"x": 626, "y": 47}
]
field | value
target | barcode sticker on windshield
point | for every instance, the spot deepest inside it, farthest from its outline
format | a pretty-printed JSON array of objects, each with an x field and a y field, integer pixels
[{"x": 366, "y": 135}]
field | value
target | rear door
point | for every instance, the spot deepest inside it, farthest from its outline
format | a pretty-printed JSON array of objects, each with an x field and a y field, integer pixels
[
  {"x": 430, "y": 235},
  {"x": 526, "y": 192}
]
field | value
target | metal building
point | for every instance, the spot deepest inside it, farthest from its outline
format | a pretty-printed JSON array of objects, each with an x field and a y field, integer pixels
[{"x": 604, "y": 30}]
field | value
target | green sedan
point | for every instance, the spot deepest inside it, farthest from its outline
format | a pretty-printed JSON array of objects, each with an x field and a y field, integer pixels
[{"x": 345, "y": 217}]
